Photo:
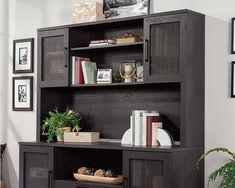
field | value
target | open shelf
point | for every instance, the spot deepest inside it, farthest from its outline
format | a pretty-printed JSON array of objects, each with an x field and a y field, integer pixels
[
  {"x": 108, "y": 46},
  {"x": 71, "y": 182}
]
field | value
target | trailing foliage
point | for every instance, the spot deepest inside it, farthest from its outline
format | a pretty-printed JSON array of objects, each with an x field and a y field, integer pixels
[
  {"x": 227, "y": 171},
  {"x": 60, "y": 120}
]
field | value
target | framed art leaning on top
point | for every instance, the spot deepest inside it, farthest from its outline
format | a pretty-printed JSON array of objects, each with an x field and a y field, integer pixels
[
  {"x": 23, "y": 55},
  {"x": 22, "y": 97},
  {"x": 125, "y": 8}
]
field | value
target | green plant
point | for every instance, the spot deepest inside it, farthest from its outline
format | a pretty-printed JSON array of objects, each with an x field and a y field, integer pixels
[
  {"x": 227, "y": 171},
  {"x": 58, "y": 120}
]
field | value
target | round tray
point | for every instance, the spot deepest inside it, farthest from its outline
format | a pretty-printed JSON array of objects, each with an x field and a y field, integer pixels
[{"x": 96, "y": 179}]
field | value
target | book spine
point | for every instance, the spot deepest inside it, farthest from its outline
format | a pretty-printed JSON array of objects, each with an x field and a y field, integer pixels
[
  {"x": 150, "y": 120},
  {"x": 144, "y": 127},
  {"x": 73, "y": 70},
  {"x": 80, "y": 79},
  {"x": 155, "y": 127},
  {"x": 138, "y": 126},
  {"x": 84, "y": 71},
  {"x": 131, "y": 126}
]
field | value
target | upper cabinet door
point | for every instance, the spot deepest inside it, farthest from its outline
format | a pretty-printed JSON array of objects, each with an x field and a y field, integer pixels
[
  {"x": 53, "y": 58},
  {"x": 164, "y": 48}
]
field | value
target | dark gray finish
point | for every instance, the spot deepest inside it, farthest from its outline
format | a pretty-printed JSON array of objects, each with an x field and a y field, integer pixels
[
  {"x": 36, "y": 167},
  {"x": 177, "y": 91},
  {"x": 53, "y": 58},
  {"x": 232, "y": 79},
  {"x": 147, "y": 170}
]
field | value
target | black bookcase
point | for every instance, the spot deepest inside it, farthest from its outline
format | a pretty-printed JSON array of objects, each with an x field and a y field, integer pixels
[{"x": 172, "y": 52}]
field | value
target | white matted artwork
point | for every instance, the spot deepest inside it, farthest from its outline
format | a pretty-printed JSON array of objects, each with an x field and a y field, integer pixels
[
  {"x": 23, "y": 52},
  {"x": 125, "y": 8},
  {"x": 233, "y": 80},
  {"x": 22, "y": 93}
]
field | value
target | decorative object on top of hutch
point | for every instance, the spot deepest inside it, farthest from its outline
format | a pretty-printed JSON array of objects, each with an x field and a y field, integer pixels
[
  {"x": 23, "y": 55},
  {"x": 172, "y": 52}
]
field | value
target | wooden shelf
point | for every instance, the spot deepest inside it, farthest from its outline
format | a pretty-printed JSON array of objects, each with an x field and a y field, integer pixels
[
  {"x": 111, "y": 46},
  {"x": 71, "y": 182},
  {"x": 126, "y": 84}
]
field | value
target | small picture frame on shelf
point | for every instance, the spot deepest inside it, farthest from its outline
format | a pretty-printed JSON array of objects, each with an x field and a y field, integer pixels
[
  {"x": 124, "y": 8},
  {"x": 22, "y": 97},
  {"x": 233, "y": 80},
  {"x": 233, "y": 36},
  {"x": 23, "y": 55},
  {"x": 104, "y": 76}
]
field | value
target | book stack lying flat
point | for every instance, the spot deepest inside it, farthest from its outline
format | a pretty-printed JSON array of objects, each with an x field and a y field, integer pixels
[
  {"x": 144, "y": 127},
  {"x": 83, "y": 71},
  {"x": 102, "y": 42}
]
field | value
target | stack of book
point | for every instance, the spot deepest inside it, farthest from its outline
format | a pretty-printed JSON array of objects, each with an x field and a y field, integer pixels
[
  {"x": 102, "y": 42},
  {"x": 83, "y": 71},
  {"x": 144, "y": 126}
]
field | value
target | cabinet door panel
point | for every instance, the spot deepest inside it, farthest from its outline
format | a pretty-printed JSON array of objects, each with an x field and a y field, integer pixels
[
  {"x": 36, "y": 167},
  {"x": 164, "y": 46},
  {"x": 53, "y": 58},
  {"x": 147, "y": 169}
]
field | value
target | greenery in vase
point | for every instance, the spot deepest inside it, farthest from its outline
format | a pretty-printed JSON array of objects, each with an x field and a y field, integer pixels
[
  {"x": 58, "y": 120},
  {"x": 226, "y": 172}
]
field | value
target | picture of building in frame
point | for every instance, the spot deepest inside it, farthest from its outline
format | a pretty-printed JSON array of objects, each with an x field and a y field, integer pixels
[{"x": 125, "y": 8}]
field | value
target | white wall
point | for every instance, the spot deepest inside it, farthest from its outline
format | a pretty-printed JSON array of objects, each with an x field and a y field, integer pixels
[{"x": 23, "y": 17}]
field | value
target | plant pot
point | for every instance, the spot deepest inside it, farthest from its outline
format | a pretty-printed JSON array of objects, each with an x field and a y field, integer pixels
[{"x": 64, "y": 129}]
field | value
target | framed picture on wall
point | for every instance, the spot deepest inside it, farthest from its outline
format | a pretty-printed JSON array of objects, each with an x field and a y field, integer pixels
[
  {"x": 22, "y": 98},
  {"x": 23, "y": 55},
  {"x": 233, "y": 36},
  {"x": 125, "y": 8},
  {"x": 233, "y": 80}
]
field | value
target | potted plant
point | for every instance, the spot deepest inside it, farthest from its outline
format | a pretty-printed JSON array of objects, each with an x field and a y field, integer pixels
[
  {"x": 57, "y": 123},
  {"x": 226, "y": 172}
]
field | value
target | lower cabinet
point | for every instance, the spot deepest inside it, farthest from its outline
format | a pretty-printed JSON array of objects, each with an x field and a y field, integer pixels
[
  {"x": 147, "y": 169},
  {"x": 52, "y": 166},
  {"x": 36, "y": 167}
]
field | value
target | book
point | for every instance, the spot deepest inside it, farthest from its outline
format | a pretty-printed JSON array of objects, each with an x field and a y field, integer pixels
[
  {"x": 144, "y": 127},
  {"x": 100, "y": 44},
  {"x": 110, "y": 41},
  {"x": 137, "y": 126},
  {"x": 150, "y": 120},
  {"x": 73, "y": 70},
  {"x": 155, "y": 127},
  {"x": 89, "y": 70},
  {"x": 79, "y": 74}
]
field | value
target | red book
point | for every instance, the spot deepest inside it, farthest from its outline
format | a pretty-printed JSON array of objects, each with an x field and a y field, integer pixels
[
  {"x": 150, "y": 120},
  {"x": 79, "y": 76}
]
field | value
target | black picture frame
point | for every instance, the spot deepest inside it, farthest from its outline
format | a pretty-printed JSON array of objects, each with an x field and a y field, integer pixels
[
  {"x": 23, "y": 55},
  {"x": 233, "y": 79},
  {"x": 22, "y": 102},
  {"x": 233, "y": 37},
  {"x": 130, "y": 12}
]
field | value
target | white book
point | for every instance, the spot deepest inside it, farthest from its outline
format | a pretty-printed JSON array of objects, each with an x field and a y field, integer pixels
[
  {"x": 89, "y": 70},
  {"x": 144, "y": 126},
  {"x": 73, "y": 70},
  {"x": 131, "y": 126},
  {"x": 138, "y": 123}
]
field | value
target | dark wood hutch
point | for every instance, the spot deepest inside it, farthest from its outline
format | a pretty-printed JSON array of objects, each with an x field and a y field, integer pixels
[{"x": 173, "y": 57}]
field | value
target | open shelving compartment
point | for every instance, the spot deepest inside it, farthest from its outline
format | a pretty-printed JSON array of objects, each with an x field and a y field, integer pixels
[
  {"x": 102, "y": 107},
  {"x": 68, "y": 161}
]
